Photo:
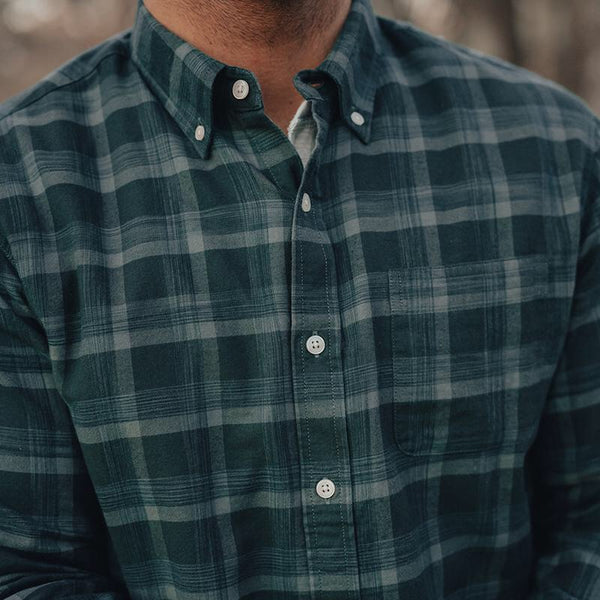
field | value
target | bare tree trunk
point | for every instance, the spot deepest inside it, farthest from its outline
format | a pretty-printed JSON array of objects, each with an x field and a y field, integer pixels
[
  {"x": 482, "y": 18},
  {"x": 574, "y": 50},
  {"x": 502, "y": 13}
]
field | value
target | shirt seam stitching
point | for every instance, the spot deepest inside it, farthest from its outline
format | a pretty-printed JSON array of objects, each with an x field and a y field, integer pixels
[
  {"x": 7, "y": 252},
  {"x": 64, "y": 85}
]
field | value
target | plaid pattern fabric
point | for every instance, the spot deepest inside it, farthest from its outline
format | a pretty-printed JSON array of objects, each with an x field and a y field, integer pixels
[{"x": 164, "y": 428}]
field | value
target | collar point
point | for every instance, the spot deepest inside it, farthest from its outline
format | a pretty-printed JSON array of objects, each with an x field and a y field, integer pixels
[{"x": 203, "y": 146}]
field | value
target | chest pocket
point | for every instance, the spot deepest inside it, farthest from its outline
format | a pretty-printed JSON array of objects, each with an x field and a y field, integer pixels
[{"x": 470, "y": 343}]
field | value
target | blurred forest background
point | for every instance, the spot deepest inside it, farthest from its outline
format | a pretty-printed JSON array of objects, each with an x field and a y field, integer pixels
[{"x": 560, "y": 39}]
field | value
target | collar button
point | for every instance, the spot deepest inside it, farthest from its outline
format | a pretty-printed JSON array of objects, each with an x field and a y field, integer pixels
[
  {"x": 200, "y": 133},
  {"x": 240, "y": 89},
  {"x": 357, "y": 118}
]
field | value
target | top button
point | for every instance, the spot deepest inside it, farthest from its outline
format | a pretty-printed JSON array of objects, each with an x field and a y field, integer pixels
[
  {"x": 240, "y": 89},
  {"x": 305, "y": 202},
  {"x": 357, "y": 118}
]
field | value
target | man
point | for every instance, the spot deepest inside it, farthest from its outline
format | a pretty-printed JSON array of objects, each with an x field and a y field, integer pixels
[{"x": 355, "y": 358}]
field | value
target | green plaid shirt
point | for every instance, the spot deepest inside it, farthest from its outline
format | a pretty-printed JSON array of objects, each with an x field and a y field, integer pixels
[{"x": 225, "y": 376}]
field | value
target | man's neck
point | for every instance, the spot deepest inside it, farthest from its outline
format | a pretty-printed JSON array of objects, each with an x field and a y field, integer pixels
[{"x": 272, "y": 38}]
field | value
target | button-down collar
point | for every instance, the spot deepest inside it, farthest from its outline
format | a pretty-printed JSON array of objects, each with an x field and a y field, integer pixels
[{"x": 185, "y": 79}]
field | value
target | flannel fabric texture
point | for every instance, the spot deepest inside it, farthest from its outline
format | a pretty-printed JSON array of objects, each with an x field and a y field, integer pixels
[{"x": 165, "y": 431}]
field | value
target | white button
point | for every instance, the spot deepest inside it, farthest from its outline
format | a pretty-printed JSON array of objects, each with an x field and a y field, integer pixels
[
  {"x": 200, "y": 131},
  {"x": 325, "y": 488},
  {"x": 306, "y": 202},
  {"x": 241, "y": 89},
  {"x": 357, "y": 118},
  {"x": 315, "y": 344}
]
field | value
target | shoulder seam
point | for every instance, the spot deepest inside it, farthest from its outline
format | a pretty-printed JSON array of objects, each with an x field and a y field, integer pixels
[
  {"x": 64, "y": 85},
  {"x": 460, "y": 50}
]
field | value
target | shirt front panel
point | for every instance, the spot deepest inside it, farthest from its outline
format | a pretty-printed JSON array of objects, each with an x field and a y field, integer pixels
[{"x": 229, "y": 359}]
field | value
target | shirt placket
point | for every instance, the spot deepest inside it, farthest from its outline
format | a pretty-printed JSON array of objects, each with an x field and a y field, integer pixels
[
  {"x": 316, "y": 353},
  {"x": 318, "y": 386}
]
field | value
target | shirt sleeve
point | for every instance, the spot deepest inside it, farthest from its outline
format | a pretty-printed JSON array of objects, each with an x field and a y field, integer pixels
[
  {"x": 565, "y": 457},
  {"x": 53, "y": 539}
]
